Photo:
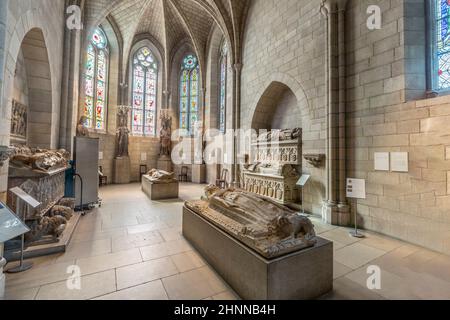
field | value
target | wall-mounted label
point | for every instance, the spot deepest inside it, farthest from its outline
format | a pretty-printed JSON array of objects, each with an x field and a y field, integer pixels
[
  {"x": 356, "y": 188},
  {"x": 381, "y": 161},
  {"x": 399, "y": 162}
]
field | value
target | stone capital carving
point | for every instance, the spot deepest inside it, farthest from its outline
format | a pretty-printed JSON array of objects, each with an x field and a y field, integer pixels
[
  {"x": 328, "y": 7},
  {"x": 238, "y": 67}
]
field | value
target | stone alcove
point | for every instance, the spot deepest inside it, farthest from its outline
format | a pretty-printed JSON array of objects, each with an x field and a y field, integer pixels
[{"x": 32, "y": 90}]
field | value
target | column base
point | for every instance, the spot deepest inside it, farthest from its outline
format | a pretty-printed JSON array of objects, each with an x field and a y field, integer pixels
[{"x": 336, "y": 214}]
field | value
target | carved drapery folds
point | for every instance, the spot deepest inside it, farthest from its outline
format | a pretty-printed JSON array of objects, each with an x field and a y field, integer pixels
[
  {"x": 19, "y": 120},
  {"x": 269, "y": 228},
  {"x": 122, "y": 131}
]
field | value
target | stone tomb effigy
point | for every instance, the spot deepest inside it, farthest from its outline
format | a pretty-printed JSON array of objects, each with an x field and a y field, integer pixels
[
  {"x": 160, "y": 185},
  {"x": 264, "y": 250},
  {"x": 41, "y": 174}
]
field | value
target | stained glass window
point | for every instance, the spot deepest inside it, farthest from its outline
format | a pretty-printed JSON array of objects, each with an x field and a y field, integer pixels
[
  {"x": 96, "y": 81},
  {"x": 223, "y": 87},
  {"x": 145, "y": 81},
  {"x": 189, "y": 93},
  {"x": 442, "y": 50}
]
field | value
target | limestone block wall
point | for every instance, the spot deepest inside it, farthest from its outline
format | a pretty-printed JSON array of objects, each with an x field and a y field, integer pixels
[
  {"x": 411, "y": 206},
  {"x": 285, "y": 43}
]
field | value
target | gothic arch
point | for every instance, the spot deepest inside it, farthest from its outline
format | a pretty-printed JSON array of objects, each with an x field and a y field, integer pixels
[{"x": 274, "y": 88}]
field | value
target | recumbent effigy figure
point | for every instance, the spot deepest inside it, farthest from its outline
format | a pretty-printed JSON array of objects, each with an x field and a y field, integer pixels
[
  {"x": 264, "y": 225},
  {"x": 161, "y": 176}
]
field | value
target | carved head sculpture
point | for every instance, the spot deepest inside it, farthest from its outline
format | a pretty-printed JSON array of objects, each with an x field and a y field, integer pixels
[{"x": 211, "y": 190}]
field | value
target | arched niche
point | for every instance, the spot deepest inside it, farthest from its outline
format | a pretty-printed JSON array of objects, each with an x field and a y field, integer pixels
[
  {"x": 277, "y": 108},
  {"x": 33, "y": 89}
]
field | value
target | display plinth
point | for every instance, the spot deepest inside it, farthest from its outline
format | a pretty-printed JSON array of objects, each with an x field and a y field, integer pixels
[
  {"x": 165, "y": 164},
  {"x": 306, "y": 274},
  {"x": 122, "y": 170},
  {"x": 199, "y": 173},
  {"x": 160, "y": 191}
]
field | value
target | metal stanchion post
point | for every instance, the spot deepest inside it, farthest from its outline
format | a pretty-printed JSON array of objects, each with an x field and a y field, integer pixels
[{"x": 355, "y": 233}]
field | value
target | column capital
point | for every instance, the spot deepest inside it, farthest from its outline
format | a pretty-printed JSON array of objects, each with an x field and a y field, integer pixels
[
  {"x": 238, "y": 67},
  {"x": 328, "y": 7}
]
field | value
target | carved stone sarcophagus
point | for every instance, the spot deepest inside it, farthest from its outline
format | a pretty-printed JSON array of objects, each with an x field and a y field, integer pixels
[{"x": 276, "y": 158}]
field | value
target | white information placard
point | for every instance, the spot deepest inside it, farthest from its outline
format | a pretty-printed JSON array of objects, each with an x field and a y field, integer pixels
[
  {"x": 10, "y": 226},
  {"x": 381, "y": 161},
  {"x": 25, "y": 197},
  {"x": 399, "y": 162},
  {"x": 100, "y": 155},
  {"x": 356, "y": 188},
  {"x": 143, "y": 156},
  {"x": 303, "y": 180}
]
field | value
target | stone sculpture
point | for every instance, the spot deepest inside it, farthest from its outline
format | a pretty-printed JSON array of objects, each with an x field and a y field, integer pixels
[
  {"x": 165, "y": 135},
  {"x": 39, "y": 159},
  {"x": 82, "y": 131},
  {"x": 264, "y": 225},
  {"x": 280, "y": 135},
  {"x": 53, "y": 226},
  {"x": 122, "y": 132},
  {"x": 5, "y": 153},
  {"x": 19, "y": 120},
  {"x": 161, "y": 176}
]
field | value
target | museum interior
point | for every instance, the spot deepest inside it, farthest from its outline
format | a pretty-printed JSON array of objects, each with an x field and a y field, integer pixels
[{"x": 224, "y": 149}]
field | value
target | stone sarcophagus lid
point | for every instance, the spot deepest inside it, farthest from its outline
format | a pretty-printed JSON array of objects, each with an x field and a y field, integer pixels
[
  {"x": 274, "y": 172},
  {"x": 267, "y": 227}
]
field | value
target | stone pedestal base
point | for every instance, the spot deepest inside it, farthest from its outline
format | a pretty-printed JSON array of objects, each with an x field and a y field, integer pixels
[
  {"x": 122, "y": 170},
  {"x": 199, "y": 173},
  {"x": 160, "y": 191},
  {"x": 165, "y": 164},
  {"x": 306, "y": 274},
  {"x": 337, "y": 215}
]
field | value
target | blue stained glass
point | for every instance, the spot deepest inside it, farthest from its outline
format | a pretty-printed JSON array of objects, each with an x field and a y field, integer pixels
[
  {"x": 189, "y": 93},
  {"x": 443, "y": 43}
]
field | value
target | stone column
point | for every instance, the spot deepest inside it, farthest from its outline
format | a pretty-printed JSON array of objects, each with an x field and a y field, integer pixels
[
  {"x": 237, "y": 73},
  {"x": 335, "y": 209},
  {"x": 70, "y": 85}
]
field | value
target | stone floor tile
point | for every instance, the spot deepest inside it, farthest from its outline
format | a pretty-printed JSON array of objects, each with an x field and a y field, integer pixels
[
  {"x": 110, "y": 261},
  {"x": 357, "y": 255},
  {"x": 92, "y": 286},
  {"x": 141, "y": 273},
  {"x": 188, "y": 261},
  {"x": 149, "y": 291},
  {"x": 165, "y": 249}
]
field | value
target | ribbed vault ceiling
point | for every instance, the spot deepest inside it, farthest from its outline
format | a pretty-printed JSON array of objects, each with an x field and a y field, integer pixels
[{"x": 170, "y": 21}]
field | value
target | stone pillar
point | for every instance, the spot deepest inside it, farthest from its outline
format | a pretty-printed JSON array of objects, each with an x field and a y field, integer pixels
[
  {"x": 237, "y": 73},
  {"x": 70, "y": 85},
  {"x": 335, "y": 208}
]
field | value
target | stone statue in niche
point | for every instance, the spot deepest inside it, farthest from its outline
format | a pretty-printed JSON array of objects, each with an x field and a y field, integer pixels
[
  {"x": 122, "y": 132},
  {"x": 161, "y": 176},
  {"x": 267, "y": 227},
  {"x": 165, "y": 135},
  {"x": 82, "y": 130},
  {"x": 19, "y": 120}
]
